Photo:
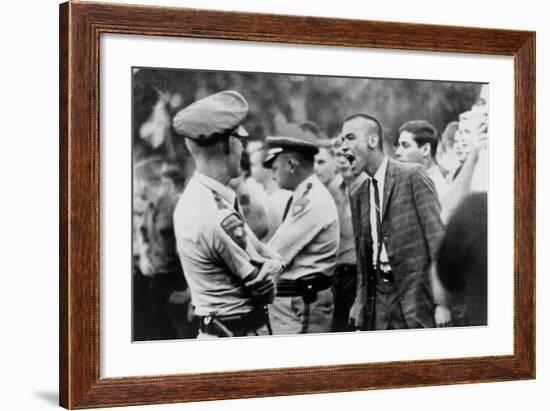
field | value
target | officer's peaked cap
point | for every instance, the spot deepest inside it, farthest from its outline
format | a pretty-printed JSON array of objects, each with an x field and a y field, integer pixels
[
  {"x": 291, "y": 138},
  {"x": 212, "y": 117}
]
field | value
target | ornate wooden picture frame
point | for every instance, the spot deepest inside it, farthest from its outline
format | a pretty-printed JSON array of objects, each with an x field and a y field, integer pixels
[{"x": 81, "y": 25}]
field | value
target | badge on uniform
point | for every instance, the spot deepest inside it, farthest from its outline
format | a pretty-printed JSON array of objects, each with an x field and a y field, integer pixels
[
  {"x": 219, "y": 202},
  {"x": 299, "y": 206},
  {"x": 234, "y": 227}
]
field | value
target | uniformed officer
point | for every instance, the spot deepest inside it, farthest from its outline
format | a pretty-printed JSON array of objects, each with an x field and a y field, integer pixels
[
  {"x": 307, "y": 240},
  {"x": 229, "y": 272}
]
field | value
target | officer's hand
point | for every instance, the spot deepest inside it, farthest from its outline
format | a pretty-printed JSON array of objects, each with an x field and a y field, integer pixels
[
  {"x": 272, "y": 268},
  {"x": 442, "y": 316},
  {"x": 262, "y": 285},
  {"x": 357, "y": 315},
  {"x": 264, "y": 292}
]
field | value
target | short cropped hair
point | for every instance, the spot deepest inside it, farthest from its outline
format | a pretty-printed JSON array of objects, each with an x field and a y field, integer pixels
[
  {"x": 423, "y": 132},
  {"x": 379, "y": 129}
]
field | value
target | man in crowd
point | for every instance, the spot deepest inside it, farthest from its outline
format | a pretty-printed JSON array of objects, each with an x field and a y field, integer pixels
[
  {"x": 397, "y": 227},
  {"x": 307, "y": 240},
  {"x": 325, "y": 165},
  {"x": 462, "y": 261},
  {"x": 229, "y": 272},
  {"x": 417, "y": 143},
  {"x": 275, "y": 199},
  {"x": 345, "y": 273},
  {"x": 169, "y": 298},
  {"x": 251, "y": 198},
  {"x": 446, "y": 157},
  {"x": 471, "y": 151}
]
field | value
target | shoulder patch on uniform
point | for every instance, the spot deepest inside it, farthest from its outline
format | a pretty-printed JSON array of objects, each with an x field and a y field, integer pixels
[
  {"x": 233, "y": 225},
  {"x": 300, "y": 206},
  {"x": 302, "y": 202}
]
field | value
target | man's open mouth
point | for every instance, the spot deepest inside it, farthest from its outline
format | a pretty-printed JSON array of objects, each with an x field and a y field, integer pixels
[{"x": 350, "y": 157}]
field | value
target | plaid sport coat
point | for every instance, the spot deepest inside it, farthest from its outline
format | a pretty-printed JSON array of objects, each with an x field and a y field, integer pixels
[{"x": 411, "y": 230}]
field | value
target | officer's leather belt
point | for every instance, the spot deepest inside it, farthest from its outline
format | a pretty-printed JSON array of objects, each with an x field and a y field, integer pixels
[
  {"x": 236, "y": 325},
  {"x": 305, "y": 287}
]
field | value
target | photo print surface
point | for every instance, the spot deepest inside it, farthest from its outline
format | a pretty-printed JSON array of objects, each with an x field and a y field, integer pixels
[{"x": 278, "y": 204}]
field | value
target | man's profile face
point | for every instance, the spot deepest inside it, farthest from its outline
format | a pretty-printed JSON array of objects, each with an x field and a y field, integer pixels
[
  {"x": 281, "y": 171},
  {"x": 235, "y": 154},
  {"x": 325, "y": 166},
  {"x": 408, "y": 150},
  {"x": 355, "y": 134},
  {"x": 257, "y": 170}
]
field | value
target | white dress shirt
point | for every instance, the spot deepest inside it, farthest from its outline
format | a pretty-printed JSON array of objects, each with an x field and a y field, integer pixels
[{"x": 380, "y": 177}]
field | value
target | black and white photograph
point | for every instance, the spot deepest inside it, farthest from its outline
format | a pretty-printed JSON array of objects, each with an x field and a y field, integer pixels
[
  {"x": 279, "y": 204},
  {"x": 274, "y": 205}
]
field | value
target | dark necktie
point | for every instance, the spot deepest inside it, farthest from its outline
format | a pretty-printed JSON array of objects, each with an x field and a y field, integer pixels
[
  {"x": 378, "y": 222},
  {"x": 287, "y": 207}
]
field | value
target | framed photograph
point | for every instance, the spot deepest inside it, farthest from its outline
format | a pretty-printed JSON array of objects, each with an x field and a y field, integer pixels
[{"x": 259, "y": 205}]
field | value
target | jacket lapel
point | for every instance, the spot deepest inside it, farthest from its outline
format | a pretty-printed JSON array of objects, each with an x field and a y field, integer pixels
[
  {"x": 388, "y": 186},
  {"x": 360, "y": 202},
  {"x": 364, "y": 203}
]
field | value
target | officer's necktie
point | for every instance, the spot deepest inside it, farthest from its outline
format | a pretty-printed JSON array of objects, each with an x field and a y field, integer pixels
[
  {"x": 287, "y": 207},
  {"x": 378, "y": 222}
]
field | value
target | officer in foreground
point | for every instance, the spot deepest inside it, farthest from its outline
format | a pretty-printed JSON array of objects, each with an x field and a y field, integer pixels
[
  {"x": 307, "y": 240},
  {"x": 229, "y": 271}
]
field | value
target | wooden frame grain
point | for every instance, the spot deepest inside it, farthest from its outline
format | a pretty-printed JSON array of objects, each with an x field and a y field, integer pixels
[{"x": 81, "y": 24}]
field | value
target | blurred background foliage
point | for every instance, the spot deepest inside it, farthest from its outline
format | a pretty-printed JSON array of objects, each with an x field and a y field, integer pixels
[{"x": 276, "y": 99}]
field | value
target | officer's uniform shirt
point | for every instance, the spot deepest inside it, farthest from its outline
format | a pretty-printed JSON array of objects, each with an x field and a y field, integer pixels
[
  {"x": 212, "y": 245},
  {"x": 275, "y": 204},
  {"x": 309, "y": 237}
]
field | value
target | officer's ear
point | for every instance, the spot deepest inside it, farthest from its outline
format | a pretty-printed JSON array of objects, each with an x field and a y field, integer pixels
[
  {"x": 226, "y": 144},
  {"x": 294, "y": 161},
  {"x": 291, "y": 164}
]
